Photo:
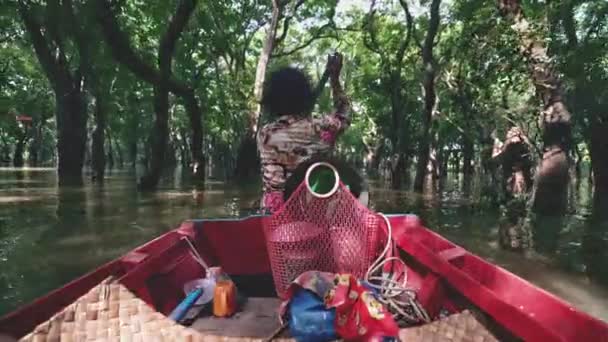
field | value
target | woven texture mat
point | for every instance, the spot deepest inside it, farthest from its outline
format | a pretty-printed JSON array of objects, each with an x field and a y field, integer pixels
[
  {"x": 461, "y": 327},
  {"x": 110, "y": 312}
]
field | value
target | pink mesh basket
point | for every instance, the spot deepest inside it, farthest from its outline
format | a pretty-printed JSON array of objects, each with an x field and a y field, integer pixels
[{"x": 334, "y": 234}]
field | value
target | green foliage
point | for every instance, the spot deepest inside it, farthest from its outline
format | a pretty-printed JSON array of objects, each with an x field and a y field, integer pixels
[{"x": 482, "y": 82}]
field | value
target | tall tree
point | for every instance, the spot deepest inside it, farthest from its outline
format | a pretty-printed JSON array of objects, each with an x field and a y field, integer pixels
[
  {"x": 430, "y": 98},
  {"x": 552, "y": 175},
  {"x": 582, "y": 65},
  {"x": 392, "y": 62},
  {"x": 162, "y": 81},
  {"x": 49, "y": 38}
]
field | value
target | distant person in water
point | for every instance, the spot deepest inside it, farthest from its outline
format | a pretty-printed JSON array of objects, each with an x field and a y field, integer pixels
[{"x": 294, "y": 136}]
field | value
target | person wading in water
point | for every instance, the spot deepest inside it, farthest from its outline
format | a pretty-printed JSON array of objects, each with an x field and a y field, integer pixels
[{"x": 294, "y": 135}]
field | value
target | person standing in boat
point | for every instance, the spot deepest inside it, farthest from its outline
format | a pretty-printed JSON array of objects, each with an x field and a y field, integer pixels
[{"x": 294, "y": 135}]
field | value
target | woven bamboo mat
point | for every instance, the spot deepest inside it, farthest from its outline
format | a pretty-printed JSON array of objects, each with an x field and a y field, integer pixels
[
  {"x": 110, "y": 312},
  {"x": 461, "y": 327}
]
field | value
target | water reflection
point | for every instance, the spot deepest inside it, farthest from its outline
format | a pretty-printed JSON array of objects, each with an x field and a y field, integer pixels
[{"x": 49, "y": 236}]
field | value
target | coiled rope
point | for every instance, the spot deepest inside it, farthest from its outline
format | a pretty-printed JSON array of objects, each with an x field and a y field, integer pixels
[{"x": 400, "y": 300}]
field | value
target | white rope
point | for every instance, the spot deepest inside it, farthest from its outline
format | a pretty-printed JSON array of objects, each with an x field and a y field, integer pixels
[
  {"x": 195, "y": 254},
  {"x": 393, "y": 293}
]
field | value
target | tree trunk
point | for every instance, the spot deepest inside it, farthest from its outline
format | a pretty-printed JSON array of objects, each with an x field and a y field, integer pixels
[
  {"x": 110, "y": 153},
  {"x": 433, "y": 167},
  {"x": 196, "y": 146},
  {"x": 36, "y": 143},
  {"x": 132, "y": 145},
  {"x": 98, "y": 157},
  {"x": 247, "y": 160},
  {"x": 468, "y": 153},
  {"x": 159, "y": 137},
  {"x": 398, "y": 169},
  {"x": 161, "y": 79},
  {"x": 398, "y": 163},
  {"x": 263, "y": 61},
  {"x": 429, "y": 96},
  {"x": 550, "y": 196},
  {"x": 599, "y": 165},
  {"x": 71, "y": 136},
  {"x": 20, "y": 148},
  {"x": 597, "y": 131},
  {"x": 71, "y": 116},
  {"x": 595, "y": 238},
  {"x": 119, "y": 155}
]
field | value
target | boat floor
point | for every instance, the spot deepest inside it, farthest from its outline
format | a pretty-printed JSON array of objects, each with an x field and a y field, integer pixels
[
  {"x": 257, "y": 318},
  {"x": 110, "y": 312}
]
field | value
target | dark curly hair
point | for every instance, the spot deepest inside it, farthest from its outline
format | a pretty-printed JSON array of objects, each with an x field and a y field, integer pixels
[{"x": 288, "y": 91}]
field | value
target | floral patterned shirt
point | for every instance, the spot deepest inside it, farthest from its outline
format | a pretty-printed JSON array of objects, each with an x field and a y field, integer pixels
[{"x": 290, "y": 140}]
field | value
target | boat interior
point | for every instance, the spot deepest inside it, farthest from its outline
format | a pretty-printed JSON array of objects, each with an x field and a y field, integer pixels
[{"x": 470, "y": 299}]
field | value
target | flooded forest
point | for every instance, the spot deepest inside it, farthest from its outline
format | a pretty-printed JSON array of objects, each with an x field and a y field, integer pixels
[{"x": 488, "y": 119}]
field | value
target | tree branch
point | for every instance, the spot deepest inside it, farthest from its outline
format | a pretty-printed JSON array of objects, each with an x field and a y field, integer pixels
[
  {"x": 569, "y": 24},
  {"x": 317, "y": 35},
  {"x": 47, "y": 61},
  {"x": 410, "y": 21},
  {"x": 286, "y": 22},
  {"x": 429, "y": 41},
  {"x": 85, "y": 66},
  {"x": 372, "y": 43},
  {"x": 124, "y": 53},
  {"x": 169, "y": 40},
  {"x": 410, "y": 28}
]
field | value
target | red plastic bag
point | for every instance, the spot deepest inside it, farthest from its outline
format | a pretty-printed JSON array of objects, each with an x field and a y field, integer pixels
[{"x": 359, "y": 315}]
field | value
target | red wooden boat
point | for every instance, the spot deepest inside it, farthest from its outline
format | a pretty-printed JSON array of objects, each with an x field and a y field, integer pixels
[{"x": 446, "y": 275}]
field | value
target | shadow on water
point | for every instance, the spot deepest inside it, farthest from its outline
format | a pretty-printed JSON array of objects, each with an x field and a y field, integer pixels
[{"x": 49, "y": 236}]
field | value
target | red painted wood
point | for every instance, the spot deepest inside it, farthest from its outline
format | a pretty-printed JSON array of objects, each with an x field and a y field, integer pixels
[
  {"x": 524, "y": 309},
  {"x": 157, "y": 271}
]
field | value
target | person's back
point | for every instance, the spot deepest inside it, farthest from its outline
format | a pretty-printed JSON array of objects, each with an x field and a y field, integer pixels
[{"x": 294, "y": 136}]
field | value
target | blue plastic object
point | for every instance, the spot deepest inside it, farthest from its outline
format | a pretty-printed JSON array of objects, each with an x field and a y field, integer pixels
[
  {"x": 309, "y": 320},
  {"x": 180, "y": 311}
]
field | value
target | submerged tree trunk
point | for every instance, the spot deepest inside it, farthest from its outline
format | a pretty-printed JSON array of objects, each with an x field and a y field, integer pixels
[
  {"x": 596, "y": 131},
  {"x": 468, "y": 153},
  {"x": 71, "y": 116},
  {"x": 599, "y": 164},
  {"x": 398, "y": 171},
  {"x": 550, "y": 195},
  {"x": 110, "y": 152},
  {"x": 196, "y": 146},
  {"x": 132, "y": 146},
  {"x": 595, "y": 238},
  {"x": 162, "y": 80},
  {"x": 20, "y": 148},
  {"x": 119, "y": 153},
  {"x": 36, "y": 143},
  {"x": 71, "y": 136},
  {"x": 429, "y": 97},
  {"x": 159, "y": 139},
  {"x": 98, "y": 157}
]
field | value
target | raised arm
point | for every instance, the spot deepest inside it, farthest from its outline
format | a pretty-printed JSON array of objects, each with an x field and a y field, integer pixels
[{"x": 334, "y": 124}]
